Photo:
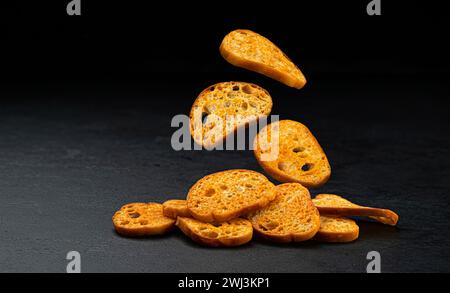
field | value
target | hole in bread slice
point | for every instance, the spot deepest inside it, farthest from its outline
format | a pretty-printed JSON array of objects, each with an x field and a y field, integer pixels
[
  {"x": 298, "y": 149},
  {"x": 134, "y": 215},
  {"x": 307, "y": 167},
  {"x": 210, "y": 192},
  {"x": 248, "y": 89},
  {"x": 268, "y": 224},
  {"x": 204, "y": 117},
  {"x": 284, "y": 166},
  {"x": 210, "y": 234}
]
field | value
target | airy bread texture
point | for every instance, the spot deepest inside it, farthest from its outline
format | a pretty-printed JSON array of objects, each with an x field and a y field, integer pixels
[
  {"x": 225, "y": 195},
  {"x": 336, "y": 229},
  {"x": 331, "y": 204},
  {"x": 300, "y": 157},
  {"x": 230, "y": 233},
  {"x": 222, "y": 108},
  {"x": 174, "y": 208},
  {"x": 249, "y": 50},
  {"x": 141, "y": 219},
  {"x": 291, "y": 217}
]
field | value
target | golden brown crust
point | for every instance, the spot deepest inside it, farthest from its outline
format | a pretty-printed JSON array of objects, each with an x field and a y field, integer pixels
[
  {"x": 244, "y": 102},
  {"x": 174, "y": 208},
  {"x": 249, "y": 50},
  {"x": 291, "y": 217},
  {"x": 300, "y": 157},
  {"x": 337, "y": 229},
  {"x": 141, "y": 219},
  {"x": 331, "y": 204},
  {"x": 231, "y": 233},
  {"x": 226, "y": 195}
]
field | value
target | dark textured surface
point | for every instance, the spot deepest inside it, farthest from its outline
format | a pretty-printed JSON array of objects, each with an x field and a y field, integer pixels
[{"x": 71, "y": 156}]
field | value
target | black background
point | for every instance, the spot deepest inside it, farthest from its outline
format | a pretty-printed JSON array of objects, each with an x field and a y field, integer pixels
[
  {"x": 85, "y": 127},
  {"x": 114, "y": 40}
]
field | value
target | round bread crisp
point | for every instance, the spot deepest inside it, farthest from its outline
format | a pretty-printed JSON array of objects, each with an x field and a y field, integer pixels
[
  {"x": 222, "y": 108},
  {"x": 141, "y": 219},
  {"x": 226, "y": 195},
  {"x": 337, "y": 229},
  {"x": 296, "y": 154},
  {"x": 174, "y": 208},
  {"x": 234, "y": 232},
  {"x": 291, "y": 217}
]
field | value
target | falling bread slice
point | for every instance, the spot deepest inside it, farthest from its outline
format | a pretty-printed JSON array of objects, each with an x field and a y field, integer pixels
[
  {"x": 141, "y": 219},
  {"x": 337, "y": 229},
  {"x": 226, "y": 195},
  {"x": 331, "y": 204},
  {"x": 174, "y": 208},
  {"x": 291, "y": 217},
  {"x": 234, "y": 232},
  {"x": 222, "y": 108},
  {"x": 288, "y": 152},
  {"x": 249, "y": 50}
]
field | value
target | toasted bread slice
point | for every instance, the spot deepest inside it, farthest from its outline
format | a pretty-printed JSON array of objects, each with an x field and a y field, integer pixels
[
  {"x": 300, "y": 157},
  {"x": 249, "y": 50},
  {"x": 331, "y": 204},
  {"x": 234, "y": 232},
  {"x": 337, "y": 229},
  {"x": 174, "y": 208},
  {"x": 222, "y": 108},
  {"x": 226, "y": 195},
  {"x": 291, "y": 217},
  {"x": 141, "y": 219}
]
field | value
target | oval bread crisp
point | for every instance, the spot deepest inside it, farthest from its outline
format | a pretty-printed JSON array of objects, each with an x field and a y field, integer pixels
[
  {"x": 249, "y": 50},
  {"x": 174, "y": 208},
  {"x": 299, "y": 157},
  {"x": 337, "y": 229},
  {"x": 331, "y": 204},
  {"x": 234, "y": 232},
  {"x": 222, "y": 108},
  {"x": 291, "y": 217},
  {"x": 226, "y": 195},
  {"x": 141, "y": 219}
]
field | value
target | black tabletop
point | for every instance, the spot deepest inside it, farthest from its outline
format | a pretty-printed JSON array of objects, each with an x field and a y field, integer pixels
[{"x": 72, "y": 154}]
